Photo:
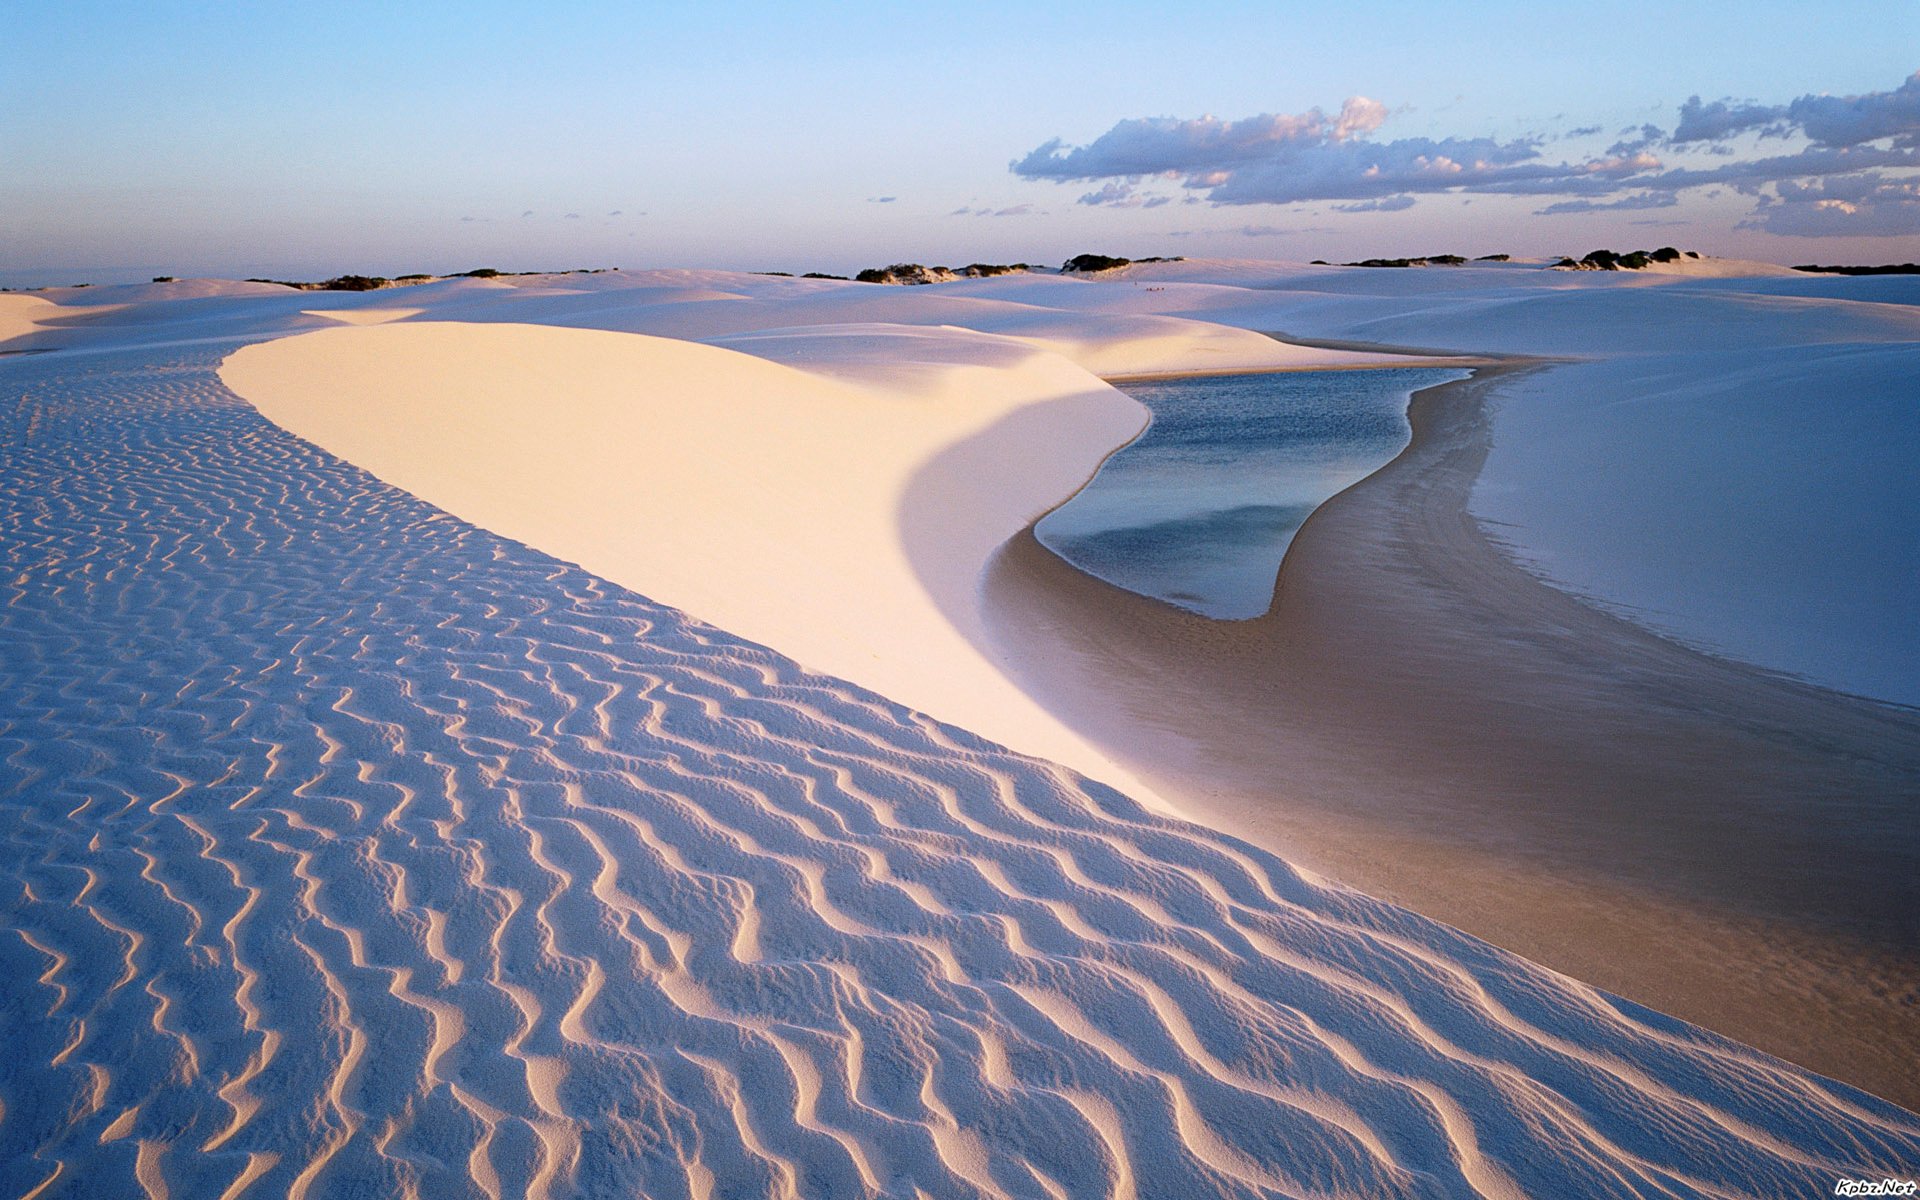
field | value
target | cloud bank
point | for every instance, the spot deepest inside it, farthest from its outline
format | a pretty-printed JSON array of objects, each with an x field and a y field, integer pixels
[{"x": 1833, "y": 181}]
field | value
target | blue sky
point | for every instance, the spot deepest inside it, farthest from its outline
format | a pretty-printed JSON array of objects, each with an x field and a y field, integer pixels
[{"x": 306, "y": 140}]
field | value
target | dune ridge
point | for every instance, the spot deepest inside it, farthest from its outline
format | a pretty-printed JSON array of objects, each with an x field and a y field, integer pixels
[
  {"x": 351, "y": 847},
  {"x": 21, "y": 315},
  {"x": 764, "y": 497}
]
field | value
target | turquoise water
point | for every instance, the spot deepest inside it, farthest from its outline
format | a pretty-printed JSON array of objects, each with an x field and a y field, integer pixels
[{"x": 1199, "y": 510}]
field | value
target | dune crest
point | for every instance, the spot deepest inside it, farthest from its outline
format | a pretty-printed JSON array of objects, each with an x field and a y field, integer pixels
[
  {"x": 765, "y": 498},
  {"x": 21, "y": 315}
]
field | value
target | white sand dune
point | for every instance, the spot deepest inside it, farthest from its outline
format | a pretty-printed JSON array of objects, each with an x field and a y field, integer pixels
[
  {"x": 710, "y": 305},
  {"x": 21, "y": 315},
  {"x": 351, "y": 849},
  {"x": 846, "y": 525},
  {"x": 796, "y": 510}
]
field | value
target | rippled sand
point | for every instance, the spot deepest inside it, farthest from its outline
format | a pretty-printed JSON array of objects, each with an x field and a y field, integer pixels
[{"x": 351, "y": 849}]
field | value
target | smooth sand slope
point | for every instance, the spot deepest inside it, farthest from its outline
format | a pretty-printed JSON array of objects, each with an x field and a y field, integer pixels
[
  {"x": 350, "y": 848},
  {"x": 771, "y": 500},
  {"x": 817, "y": 510},
  {"x": 20, "y": 316}
]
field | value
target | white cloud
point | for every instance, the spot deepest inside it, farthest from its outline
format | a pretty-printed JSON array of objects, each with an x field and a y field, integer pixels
[
  {"x": 1163, "y": 145},
  {"x": 1385, "y": 204},
  {"x": 1869, "y": 205},
  {"x": 1636, "y": 200},
  {"x": 1851, "y": 120},
  {"x": 1112, "y": 194},
  {"x": 1016, "y": 210},
  {"x": 1825, "y": 120},
  {"x": 1311, "y": 157},
  {"x": 1722, "y": 119}
]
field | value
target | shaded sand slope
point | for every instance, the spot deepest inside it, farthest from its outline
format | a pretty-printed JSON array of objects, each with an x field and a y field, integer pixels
[
  {"x": 350, "y": 849},
  {"x": 768, "y": 500},
  {"x": 21, "y": 316}
]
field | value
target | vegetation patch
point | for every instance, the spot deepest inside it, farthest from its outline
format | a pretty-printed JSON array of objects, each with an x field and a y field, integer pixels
[
  {"x": 906, "y": 273},
  {"x": 1430, "y": 260},
  {"x": 374, "y": 283},
  {"x": 1883, "y": 269},
  {"x": 1093, "y": 264},
  {"x": 1635, "y": 260}
]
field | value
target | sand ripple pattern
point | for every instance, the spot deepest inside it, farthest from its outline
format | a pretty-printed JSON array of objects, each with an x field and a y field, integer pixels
[{"x": 349, "y": 850}]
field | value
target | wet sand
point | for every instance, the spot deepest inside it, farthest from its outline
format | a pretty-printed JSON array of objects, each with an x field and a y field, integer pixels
[{"x": 1421, "y": 718}]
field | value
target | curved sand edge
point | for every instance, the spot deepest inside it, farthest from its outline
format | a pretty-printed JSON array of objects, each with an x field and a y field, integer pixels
[
  {"x": 785, "y": 507},
  {"x": 1423, "y": 719},
  {"x": 21, "y": 316}
]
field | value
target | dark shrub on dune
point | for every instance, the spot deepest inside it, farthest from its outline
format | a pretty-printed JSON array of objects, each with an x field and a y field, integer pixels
[
  {"x": 1430, "y": 260},
  {"x": 1607, "y": 260},
  {"x": 1088, "y": 264},
  {"x": 354, "y": 283},
  {"x": 1885, "y": 269},
  {"x": 905, "y": 273}
]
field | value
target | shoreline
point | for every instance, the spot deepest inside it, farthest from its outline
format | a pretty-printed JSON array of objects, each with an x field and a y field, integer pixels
[
  {"x": 1416, "y": 708},
  {"x": 1411, "y": 361}
]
